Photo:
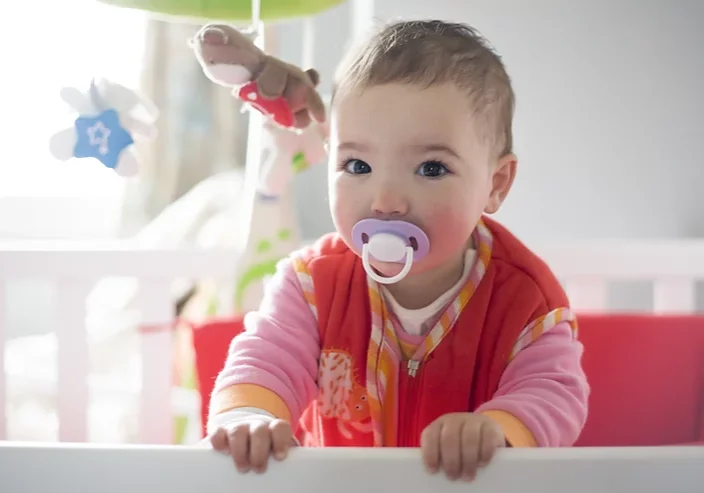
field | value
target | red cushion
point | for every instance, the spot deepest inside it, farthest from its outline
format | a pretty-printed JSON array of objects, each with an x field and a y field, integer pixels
[
  {"x": 646, "y": 374},
  {"x": 211, "y": 342},
  {"x": 647, "y": 378}
]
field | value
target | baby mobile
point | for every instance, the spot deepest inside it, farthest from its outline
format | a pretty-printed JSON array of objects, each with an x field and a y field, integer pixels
[
  {"x": 290, "y": 137},
  {"x": 110, "y": 116}
]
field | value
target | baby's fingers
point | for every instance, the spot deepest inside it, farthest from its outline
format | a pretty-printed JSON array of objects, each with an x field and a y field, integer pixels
[
  {"x": 281, "y": 439},
  {"x": 430, "y": 446},
  {"x": 239, "y": 443},
  {"x": 471, "y": 436},
  {"x": 259, "y": 446},
  {"x": 451, "y": 448},
  {"x": 219, "y": 440},
  {"x": 491, "y": 439}
]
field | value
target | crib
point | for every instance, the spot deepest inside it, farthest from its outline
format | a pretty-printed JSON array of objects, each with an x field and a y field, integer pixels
[{"x": 587, "y": 269}]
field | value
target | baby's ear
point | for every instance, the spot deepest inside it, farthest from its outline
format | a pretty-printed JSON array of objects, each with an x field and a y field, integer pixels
[{"x": 503, "y": 174}]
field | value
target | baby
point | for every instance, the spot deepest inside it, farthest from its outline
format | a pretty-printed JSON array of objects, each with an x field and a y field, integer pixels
[{"x": 420, "y": 322}]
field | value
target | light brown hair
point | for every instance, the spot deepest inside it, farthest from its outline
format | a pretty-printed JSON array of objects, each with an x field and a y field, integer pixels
[{"x": 435, "y": 52}]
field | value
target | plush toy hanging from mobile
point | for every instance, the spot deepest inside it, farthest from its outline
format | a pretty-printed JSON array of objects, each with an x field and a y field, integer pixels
[
  {"x": 110, "y": 116},
  {"x": 282, "y": 92},
  {"x": 295, "y": 128}
]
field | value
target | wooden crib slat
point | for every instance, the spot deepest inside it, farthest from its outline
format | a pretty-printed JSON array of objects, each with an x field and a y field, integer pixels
[
  {"x": 587, "y": 294},
  {"x": 674, "y": 296},
  {"x": 73, "y": 359},
  {"x": 157, "y": 368},
  {"x": 3, "y": 338}
]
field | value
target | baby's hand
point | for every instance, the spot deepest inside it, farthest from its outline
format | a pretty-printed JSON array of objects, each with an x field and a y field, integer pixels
[
  {"x": 460, "y": 443},
  {"x": 250, "y": 442}
]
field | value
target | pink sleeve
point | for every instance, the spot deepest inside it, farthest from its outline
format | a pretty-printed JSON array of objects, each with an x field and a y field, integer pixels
[
  {"x": 545, "y": 388},
  {"x": 280, "y": 347}
]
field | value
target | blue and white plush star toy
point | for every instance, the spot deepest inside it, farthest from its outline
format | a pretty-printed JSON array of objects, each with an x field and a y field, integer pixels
[{"x": 110, "y": 117}]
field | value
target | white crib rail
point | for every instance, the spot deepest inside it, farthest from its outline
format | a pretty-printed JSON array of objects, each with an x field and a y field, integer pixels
[
  {"x": 673, "y": 266},
  {"x": 74, "y": 268},
  {"x": 185, "y": 470}
]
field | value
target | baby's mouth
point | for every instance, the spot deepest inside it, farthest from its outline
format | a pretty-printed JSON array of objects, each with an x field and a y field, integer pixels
[{"x": 412, "y": 241}]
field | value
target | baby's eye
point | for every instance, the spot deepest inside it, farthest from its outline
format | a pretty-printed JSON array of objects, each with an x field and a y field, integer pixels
[
  {"x": 432, "y": 169},
  {"x": 357, "y": 167}
]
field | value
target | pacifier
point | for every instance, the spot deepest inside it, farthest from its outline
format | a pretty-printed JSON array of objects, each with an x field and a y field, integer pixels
[{"x": 389, "y": 241}]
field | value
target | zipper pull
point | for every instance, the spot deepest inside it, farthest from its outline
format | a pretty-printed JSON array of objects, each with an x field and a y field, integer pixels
[{"x": 412, "y": 367}]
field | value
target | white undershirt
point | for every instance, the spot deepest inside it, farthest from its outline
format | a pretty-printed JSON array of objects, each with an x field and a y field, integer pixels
[{"x": 414, "y": 321}]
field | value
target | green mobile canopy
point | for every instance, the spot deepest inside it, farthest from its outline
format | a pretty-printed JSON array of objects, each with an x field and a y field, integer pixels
[{"x": 229, "y": 10}]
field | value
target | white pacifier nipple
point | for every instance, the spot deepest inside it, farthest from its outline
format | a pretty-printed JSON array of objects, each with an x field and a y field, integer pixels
[
  {"x": 391, "y": 242},
  {"x": 387, "y": 248}
]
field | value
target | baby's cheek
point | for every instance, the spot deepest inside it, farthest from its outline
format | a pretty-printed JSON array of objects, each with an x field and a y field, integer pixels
[
  {"x": 344, "y": 214},
  {"x": 449, "y": 229}
]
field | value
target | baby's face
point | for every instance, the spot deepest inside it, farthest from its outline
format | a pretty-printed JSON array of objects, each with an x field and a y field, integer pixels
[{"x": 399, "y": 151}]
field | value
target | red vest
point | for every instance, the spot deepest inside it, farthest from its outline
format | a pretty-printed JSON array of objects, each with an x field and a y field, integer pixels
[{"x": 463, "y": 371}]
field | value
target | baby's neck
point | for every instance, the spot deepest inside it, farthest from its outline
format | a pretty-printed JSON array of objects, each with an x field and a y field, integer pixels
[{"x": 420, "y": 290}]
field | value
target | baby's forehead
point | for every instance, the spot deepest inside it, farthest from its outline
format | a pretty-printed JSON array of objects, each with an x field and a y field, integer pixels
[
  {"x": 403, "y": 101},
  {"x": 399, "y": 111}
]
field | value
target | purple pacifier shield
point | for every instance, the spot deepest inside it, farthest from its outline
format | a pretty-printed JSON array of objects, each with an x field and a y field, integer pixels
[{"x": 405, "y": 230}]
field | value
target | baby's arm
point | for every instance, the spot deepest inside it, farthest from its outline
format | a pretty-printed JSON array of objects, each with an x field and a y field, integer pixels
[
  {"x": 271, "y": 368},
  {"x": 542, "y": 396}
]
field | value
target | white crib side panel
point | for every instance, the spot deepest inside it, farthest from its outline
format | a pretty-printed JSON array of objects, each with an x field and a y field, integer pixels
[
  {"x": 345, "y": 470},
  {"x": 74, "y": 266}
]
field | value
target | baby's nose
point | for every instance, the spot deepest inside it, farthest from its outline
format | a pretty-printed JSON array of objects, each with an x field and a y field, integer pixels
[{"x": 389, "y": 202}]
